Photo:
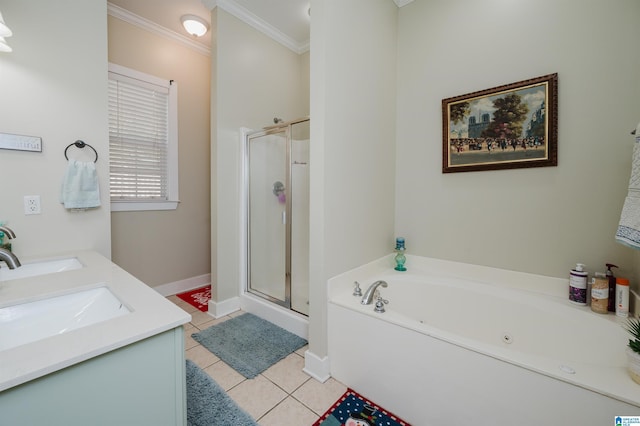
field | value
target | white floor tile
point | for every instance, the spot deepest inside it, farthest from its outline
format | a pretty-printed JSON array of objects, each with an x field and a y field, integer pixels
[
  {"x": 319, "y": 396},
  {"x": 289, "y": 412},
  {"x": 257, "y": 396},
  {"x": 224, "y": 375},
  {"x": 201, "y": 356},
  {"x": 288, "y": 373}
]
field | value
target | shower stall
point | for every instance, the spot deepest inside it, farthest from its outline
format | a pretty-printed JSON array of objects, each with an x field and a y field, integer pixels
[{"x": 276, "y": 168}]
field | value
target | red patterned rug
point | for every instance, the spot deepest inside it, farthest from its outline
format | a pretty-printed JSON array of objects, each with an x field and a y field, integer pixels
[
  {"x": 352, "y": 409},
  {"x": 199, "y": 297}
]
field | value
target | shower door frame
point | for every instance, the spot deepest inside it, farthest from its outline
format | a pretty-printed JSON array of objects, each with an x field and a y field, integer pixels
[{"x": 271, "y": 130}]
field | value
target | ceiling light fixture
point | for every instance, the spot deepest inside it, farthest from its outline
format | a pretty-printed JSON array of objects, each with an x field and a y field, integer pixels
[
  {"x": 4, "y": 32},
  {"x": 195, "y": 25}
]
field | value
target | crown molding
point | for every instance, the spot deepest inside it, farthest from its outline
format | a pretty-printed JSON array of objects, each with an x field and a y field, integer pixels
[
  {"x": 233, "y": 8},
  {"x": 401, "y": 3},
  {"x": 145, "y": 24}
]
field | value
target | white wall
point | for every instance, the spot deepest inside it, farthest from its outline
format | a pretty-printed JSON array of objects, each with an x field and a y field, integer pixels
[
  {"x": 54, "y": 85},
  {"x": 353, "y": 97},
  {"x": 255, "y": 80},
  {"x": 540, "y": 220}
]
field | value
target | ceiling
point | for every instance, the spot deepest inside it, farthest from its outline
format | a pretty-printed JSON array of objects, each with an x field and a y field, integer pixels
[{"x": 286, "y": 20}]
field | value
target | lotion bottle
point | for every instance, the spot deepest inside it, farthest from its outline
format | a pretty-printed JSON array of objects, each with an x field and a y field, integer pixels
[
  {"x": 600, "y": 293},
  {"x": 622, "y": 297},
  {"x": 578, "y": 285}
]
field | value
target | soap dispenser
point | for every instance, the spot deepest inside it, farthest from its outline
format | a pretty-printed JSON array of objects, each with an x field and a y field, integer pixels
[{"x": 611, "y": 307}]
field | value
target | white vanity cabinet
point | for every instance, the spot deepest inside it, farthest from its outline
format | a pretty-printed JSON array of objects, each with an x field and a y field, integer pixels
[
  {"x": 122, "y": 370},
  {"x": 139, "y": 384}
]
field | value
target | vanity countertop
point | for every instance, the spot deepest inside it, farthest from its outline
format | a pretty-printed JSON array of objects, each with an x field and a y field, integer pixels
[{"x": 150, "y": 314}]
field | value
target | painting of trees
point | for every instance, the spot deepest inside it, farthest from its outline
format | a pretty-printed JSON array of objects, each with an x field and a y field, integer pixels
[
  {"x": 508, "y": 117},
  {"x": 506, "y": 127},
  {"x": 459, "y": 111}
]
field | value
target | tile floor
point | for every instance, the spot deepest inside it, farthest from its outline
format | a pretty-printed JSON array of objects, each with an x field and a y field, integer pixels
[{"x": 281, "y": 396}]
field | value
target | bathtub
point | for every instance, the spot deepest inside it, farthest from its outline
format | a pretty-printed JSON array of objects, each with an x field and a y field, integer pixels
[{"x": 463, "y": 344}]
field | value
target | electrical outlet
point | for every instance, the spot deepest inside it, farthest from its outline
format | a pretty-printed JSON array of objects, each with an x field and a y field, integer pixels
[{"x": 32, "y": 204}]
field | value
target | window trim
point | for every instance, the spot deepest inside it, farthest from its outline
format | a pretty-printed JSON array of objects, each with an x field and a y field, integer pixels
[{"x": 173, "y": 198}]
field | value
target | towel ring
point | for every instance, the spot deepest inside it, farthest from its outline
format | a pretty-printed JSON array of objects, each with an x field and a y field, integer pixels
[{"x": 81, "y": 144}]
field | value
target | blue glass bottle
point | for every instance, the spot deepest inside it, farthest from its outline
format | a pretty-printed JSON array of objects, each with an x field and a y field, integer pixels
[{"x": 400, "y": 257}]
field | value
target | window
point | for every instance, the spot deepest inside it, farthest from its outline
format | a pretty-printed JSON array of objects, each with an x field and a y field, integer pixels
[{"x": 143, "y": 141}]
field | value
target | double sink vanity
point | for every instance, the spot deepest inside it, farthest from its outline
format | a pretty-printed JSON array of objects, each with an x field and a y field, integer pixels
[{"x": 84, "y": 342}]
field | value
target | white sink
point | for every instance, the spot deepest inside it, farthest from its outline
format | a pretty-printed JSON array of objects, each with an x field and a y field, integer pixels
[
  {"x": 32, "y": 269},
  {"x": 32, "y": 321}
]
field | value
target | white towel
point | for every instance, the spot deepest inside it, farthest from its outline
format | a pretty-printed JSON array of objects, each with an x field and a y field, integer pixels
[
  {"x": 80, "y": 189},
  {"x": 629, "y": 228}
]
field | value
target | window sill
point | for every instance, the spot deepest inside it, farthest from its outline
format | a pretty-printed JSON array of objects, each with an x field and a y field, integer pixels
[{"x": 136, "y": 206}]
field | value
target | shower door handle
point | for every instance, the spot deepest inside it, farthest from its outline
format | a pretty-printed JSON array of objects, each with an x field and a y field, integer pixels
[{"x": 284, "y": 217}]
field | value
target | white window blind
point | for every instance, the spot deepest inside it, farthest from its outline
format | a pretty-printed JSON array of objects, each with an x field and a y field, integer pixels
[{"x": 140, "y": 143}]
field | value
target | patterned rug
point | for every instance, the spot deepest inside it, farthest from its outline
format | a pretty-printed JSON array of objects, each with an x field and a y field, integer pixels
[
  {"x": 352, "y": 409},
  {"x": 199, "y": 297}
]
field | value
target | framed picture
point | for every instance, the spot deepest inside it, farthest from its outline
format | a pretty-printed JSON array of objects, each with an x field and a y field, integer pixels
[{"x": 507, "y": 127}]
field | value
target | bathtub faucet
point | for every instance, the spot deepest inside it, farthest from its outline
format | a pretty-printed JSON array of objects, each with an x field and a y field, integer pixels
[
  {"x": 368, "y": 295},
  {"x": 10, "y": 258},
  {"x": 10, "y": 234}
]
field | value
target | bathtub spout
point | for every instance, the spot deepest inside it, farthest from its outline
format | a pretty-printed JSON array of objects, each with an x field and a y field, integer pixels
[
  {"x": 10, "y": 259},
  {"x": 368, "y": 295}
]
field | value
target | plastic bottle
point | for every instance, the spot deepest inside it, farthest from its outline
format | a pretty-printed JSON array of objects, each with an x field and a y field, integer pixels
[
  {"x": 578, "y": 285},
  {"x": 622, "y": 297},
  {"x": 611, "y": 307},
  {"x": 600, "y": 293}
]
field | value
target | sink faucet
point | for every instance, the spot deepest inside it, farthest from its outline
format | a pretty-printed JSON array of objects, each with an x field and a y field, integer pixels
[
  {"x": 10, "y": 258},
  {"x": 368, "y": 295}
]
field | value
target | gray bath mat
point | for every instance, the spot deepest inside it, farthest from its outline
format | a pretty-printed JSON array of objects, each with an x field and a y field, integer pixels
[
  {"x": 208, "y": 404},
  {"x": 249, "y": 344}
]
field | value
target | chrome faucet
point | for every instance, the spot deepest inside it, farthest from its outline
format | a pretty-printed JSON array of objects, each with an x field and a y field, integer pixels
[
  {"x": 368, "y": 295},
  {"x": 10, "y": 258},
  {"x": 8, "y": 231}
]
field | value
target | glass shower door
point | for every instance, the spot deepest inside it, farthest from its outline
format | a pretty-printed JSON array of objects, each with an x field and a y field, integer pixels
[
  {"x": 268, "y": 227},
  {"x": 299, "y": 202}
]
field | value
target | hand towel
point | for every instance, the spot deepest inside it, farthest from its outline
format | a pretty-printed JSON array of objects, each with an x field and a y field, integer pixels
[
  {"x": 80, "y": 189},
  {"x": 628, "y": 232}
]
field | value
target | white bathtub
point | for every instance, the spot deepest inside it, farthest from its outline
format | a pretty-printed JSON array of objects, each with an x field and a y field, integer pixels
[{"x": 462, "y": 344}]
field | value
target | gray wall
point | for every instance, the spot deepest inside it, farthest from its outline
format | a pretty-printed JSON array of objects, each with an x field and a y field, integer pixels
[{"x": 160, "y": 247}]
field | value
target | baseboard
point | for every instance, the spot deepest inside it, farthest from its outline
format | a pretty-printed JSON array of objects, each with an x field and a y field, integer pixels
[
  {"x": 291, "y": 321},
  {"x": 316, "y": 367},
  {"x": 224, "y": 307},
  {"x": 181, "y": 286}
]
